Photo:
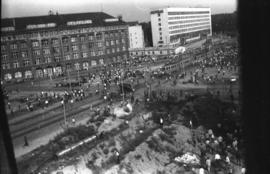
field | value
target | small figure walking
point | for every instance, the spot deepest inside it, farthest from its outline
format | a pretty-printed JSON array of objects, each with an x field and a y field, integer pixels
[
  {"x": 208, "y": 164},
  {"x": 117, "y": 156},
  {"x": 73, "y": 121},
  {"x": 25, "y": 141},
  {"x": 190, "y": 123},
  {"x": 161, "y": 121}
]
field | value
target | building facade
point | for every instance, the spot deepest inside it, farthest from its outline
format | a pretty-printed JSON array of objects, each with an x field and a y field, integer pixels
[
  {"x": 44, "y": 46},
  {"x": 136, "y": 36},
  {"x": 177, "y": 26}
]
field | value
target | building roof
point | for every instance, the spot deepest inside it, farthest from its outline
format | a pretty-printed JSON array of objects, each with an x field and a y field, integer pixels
[
  {"x": 97, "y": 18},
  {"x": 132, "y": 23},
  {"x": 179, "y": 9}
]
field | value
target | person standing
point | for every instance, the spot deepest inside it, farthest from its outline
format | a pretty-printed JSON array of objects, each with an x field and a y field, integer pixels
[
  {"x": 73, "y": 121},
  {"x": 117, "y": 156},
  {"x": 243, "y": 170},
  {"x": 9, "y": 105},
  {"x": 208, "y": 164},
  {"x": 161, "y": 121}
]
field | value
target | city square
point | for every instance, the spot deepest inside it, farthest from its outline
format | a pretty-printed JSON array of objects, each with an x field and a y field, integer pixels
[{"x": 93, "y": 104}]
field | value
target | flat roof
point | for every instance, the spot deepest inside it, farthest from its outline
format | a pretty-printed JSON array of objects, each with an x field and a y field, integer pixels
[{"x": 61, "y": 20}]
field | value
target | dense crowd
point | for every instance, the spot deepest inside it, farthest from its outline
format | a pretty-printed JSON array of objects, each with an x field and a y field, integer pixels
[{"x": 223, "y": 59}]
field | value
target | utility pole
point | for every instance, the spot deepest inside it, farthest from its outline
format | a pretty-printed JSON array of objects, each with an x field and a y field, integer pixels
[
  {"x": 79, "y": 76},
  {"x": 122, "y": 84},
  {"x": 69, "y": 80},
  {"x": 62, "y": 51},
  {"x": 63, "y": 103}
]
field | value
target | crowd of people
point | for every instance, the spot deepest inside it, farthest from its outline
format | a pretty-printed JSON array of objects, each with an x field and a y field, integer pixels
[
  {"x": 223, "y": 147},
  {"x": 225, "y": 58}
]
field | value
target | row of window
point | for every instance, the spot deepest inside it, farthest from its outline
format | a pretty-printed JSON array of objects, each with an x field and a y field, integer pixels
[
  {"x": 56, "y": 50},
  {"x": 188, "y": 12},
  {"x": 45, "y": 43},
  {"x": 187, "y": 17},
  {"x": 57, "y": 70},
  {"x": 188, "y": 25},
  {"x": 189, "y": 29},
  {"x": 27, "y": 62},
  {"x": 49, "y": 59},
  {"x": 174, "y": 38},
  {"x": 188, "y": 21},
  {"x": 114, "y": 33},
  {"x": 151, "y": 52}
]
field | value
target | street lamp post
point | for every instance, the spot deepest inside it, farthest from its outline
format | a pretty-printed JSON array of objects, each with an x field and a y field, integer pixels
[
  {"x": 69, "y": 80},
  {"x": 79, "y": 76},
  {"x": 63, "y": 103}
]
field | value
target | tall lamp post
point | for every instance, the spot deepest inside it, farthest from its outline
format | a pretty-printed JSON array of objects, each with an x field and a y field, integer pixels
[{"x": 63, "y": 103}]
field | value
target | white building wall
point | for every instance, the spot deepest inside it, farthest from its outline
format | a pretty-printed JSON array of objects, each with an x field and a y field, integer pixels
[
  {"x": 136, "y": 37},
  {"x": 185, "y": 23},
  {"x": 154, "y": 26}
]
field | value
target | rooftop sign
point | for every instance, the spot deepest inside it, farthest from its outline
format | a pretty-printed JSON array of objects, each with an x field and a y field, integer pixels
[
  {"x": 111, "y": 20},
  {"x": 79, "y": 22},
  {"x": 40, "y": 26},
  {"x": 7, "y": 29}
]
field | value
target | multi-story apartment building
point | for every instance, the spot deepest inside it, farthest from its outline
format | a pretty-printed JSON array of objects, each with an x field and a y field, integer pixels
[
  {"x": 42, "y": 46},
  {"x": 176, "y": 26},
  {"x": 136, "y": 37}
]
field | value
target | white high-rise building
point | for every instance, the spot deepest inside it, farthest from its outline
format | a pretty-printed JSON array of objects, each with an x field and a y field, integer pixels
[
  {"x": 136, "y": 38},
  {"x": 174, "y": 26}
]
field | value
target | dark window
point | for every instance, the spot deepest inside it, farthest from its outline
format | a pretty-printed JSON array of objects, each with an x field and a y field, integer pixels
[
  {"x": 66, "y": 48},
  {"x": 65, "y": 39},
  {"x": 91, "y": 45}
]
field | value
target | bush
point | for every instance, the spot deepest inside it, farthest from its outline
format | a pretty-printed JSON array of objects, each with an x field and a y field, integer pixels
[
  {"x": 111, "y": 143},
  {"x": 154, "y": 145},
  {"x": 165, "y": 137},
  {"x": 106, "y": 151},
  {"x": 138, "y": 157},
  {"x": 73, "y": 135},
  {"x": 102, "y": 146},
  {"x": 170, "y": 131}
]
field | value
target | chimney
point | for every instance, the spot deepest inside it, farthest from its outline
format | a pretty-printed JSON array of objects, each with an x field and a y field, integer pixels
[
  {"x": 120, "y": 17},
  {"x": 50, "y": 12}
]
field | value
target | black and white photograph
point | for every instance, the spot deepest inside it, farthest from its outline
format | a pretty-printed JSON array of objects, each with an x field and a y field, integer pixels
[{"x": 121, "y": 87}]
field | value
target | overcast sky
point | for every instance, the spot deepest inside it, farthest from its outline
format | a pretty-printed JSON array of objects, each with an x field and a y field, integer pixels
[{"x": 131, "y": 10}]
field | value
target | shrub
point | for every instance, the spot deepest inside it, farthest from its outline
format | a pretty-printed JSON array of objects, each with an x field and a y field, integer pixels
[
  {"x": 154, "y": 145},
  {"x": 105, "y": 151},
  {"x": 102, "y": 146},
  {"x": 111, "y": 143},
  {"x": 165, "y": 137},
  {"x": 170, "y": 131},
  {"x": 138, "y": 157}
]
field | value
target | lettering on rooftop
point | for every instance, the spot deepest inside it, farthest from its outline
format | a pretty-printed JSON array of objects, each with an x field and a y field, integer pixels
[
  {"x": 7, "y": 29},
  {"x": 111, "y": 20},
  {"x": 80, "y": 22},
  {"x": 34, "y": 26}
]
